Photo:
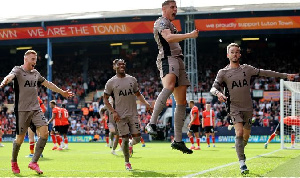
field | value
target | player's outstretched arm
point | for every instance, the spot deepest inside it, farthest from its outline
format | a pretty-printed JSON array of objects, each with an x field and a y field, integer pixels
[
  {"x": 174, "y": 38},
  {"x": 53, "y": 87},
  {"x": 7, "y": 80},
  {"x": 270, "y": 73},
  {"x": 142, "y": 99}
]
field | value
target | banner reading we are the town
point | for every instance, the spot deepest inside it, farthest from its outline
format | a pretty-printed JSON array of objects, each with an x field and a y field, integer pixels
[
  {"x": 255, "y": 23},
  {"x": 80, "y": 30}
]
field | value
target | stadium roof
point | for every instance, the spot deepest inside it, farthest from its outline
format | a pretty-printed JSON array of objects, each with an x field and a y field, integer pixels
[{"x": 56, "y": 11}]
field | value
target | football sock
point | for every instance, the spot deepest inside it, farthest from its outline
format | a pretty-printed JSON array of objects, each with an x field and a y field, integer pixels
[
  {"x": 31, "y": 147},
  {"x": 53, "y": 139},
  {"x": 198, "y": 141},
  {"x": 115, "y": 144},
  {"x": 15, "y": 151},
  {"x": 160, "y": 104},
  {"x": 66, "y": 140},
  {"x": 245, "y": 142},
  {"x": 120, "y": 141},
  {"x": 271, "y": 137},
  {"x": 40, "y": 145},
  {"x": 293, "y": 139},
  {"x": 111, "y": 136},
  {"x": 0, "y": 138},
  {"x": 58, "y": 139},
  {"x": 239, "y": 147},
  {"x": 213, "y": 139},
  {"x": 179, "y": 119},
  {"x": 242, "y": 163},
  {"x": 207, "y": 140},
  {"x": 107, "y": 140},
  {"x": 192, "y": 140},
  {"x": 125, "y": 148},
  {"x": 142, "y": 140}
]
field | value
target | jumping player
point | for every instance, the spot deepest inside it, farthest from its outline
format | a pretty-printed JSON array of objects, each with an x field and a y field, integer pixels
[{"x": 172, "y": 72}]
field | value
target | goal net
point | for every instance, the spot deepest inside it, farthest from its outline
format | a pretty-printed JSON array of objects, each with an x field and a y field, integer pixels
[{"x": 290, "y": 114}]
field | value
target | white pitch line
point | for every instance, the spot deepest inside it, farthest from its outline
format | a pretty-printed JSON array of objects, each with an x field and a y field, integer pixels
[{"x": 229, "y": 164}]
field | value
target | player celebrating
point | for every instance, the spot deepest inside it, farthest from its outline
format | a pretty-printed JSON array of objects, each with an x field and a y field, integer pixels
[
  {"x": 236, "y": 79},
  {"x": 172, "y": 72},
  {"x": 31, "y": 132},
  {"x": 27, "y": 108},
  {"x": 208, "y": 123},
  {"x": 124, "y": 90},
  {"x": 194, "y": 125}
]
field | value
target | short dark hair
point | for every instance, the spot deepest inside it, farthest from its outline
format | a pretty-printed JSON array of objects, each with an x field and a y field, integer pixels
[
  {"x": 167, "y": 2},
  {"x": 63, "y": 105},
  {"x": 116, "y": 61}
]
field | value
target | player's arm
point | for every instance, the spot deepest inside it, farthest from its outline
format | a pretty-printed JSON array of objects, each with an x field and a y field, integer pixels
[
  {"x": 53, "y": 87},
  {"x": 110, "y": 107},
  {"x": 142, "y": 99},
  {"x": 270, "y": 73},
  {"x": 216, "y": 87},
  {"x": 102, "y": 110},
  {"x": 107, "y": 104},
  {"x": 43, "y": 107},
  {"x": 7, "y": 80},
  {"x": 175, "y": 38},
  {"x": 53, "y": 116},
  {"x": 193, "y": 119}
]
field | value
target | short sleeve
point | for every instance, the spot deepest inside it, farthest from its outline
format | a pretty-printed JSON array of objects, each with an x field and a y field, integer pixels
[
  {"x": 135, "y": 85},
  {"x": 41, "y": 79},
  {"x": 252, "y": 70},
  {"x": 54, "y": 110},
  {"x": 15, "y": 71},
  {"x": 108, "y": 88},
  {"x": 162, "y": 24}
]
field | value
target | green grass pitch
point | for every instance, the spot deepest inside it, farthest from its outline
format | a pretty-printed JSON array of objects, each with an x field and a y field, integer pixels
[{"x": 155, "y": 160}]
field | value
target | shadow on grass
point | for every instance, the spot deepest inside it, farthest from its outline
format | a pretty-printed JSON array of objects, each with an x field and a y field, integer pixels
[
  {"x": 147, "y": 173},
  {"x": 45, "y": 159},
  {"x": 272, "y": 157},
  {"x": 34, "y": 174}
]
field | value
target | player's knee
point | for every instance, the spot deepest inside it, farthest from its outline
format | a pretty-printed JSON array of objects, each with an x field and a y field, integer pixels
[
  {"x": 136, "y": 140},
  {"x": 19, "y": 139},
  {"x": 239, "y": 133},
  {"x": 247, "y": 126}
]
